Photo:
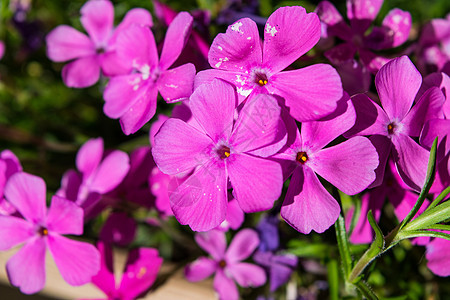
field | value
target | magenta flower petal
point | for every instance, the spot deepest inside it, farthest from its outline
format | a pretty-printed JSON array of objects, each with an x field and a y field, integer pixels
[
  {"x": 438, "y": 257},
  {"x": 341, "y": 164},
  {"x": 361, "y": 13},
  {"x": 119, "y": 229},
  {"x": 242, "y": 246},
  {"x": 66, "y": 43},
  {"x": 14, "y": 231},
  {"x": 214, "y": 242},
  {"x": 308, "y": 205},
  {"x": 110, "y": 173},
  {"x": 141, "y": 111},
  {"x": 397, "y": 84},
  {"x": 383, "y": 145},
  {"x": 428, "y": 107},
  {"x": 241, "y": 80},
  {"x": 259, "y": 126},
  {"x": 181, "y": 152},
  {"x": 256, "y": 182},
  {"x": 411, "y": 161},
  {"x": 177, "y": 84},
  {"x": 200, "y": 269},
  {"x": 341, "y": 53},
  {"x": 225, "y": 286},
  {"x": 399, "y": 23},
  {"x": 238, "y": 48},
  {"x": 280, "y": 48},
  {"x": 370, "y": 117},
  {"x": 82, "y": 72},
  {"x": 97, "y": 18},
  {"x": 89, "y": 156},
  {"x": 136, "y": 15},
  {"x": 65, "y": 217},
  {"x": 201, "y": 200},
  {"x": 306, "y": 101},
  {"x": 235, "y": 216},
  {"x": 78, "y": 262},
  {"x": 27, "y": 193},
  {"x": 26, "y": 268},
  {"x": 334, "y": 23},
  {"x": 137, "y": 47},
  {"x": 104, "y": 279},
  {"x": 213, "y": 107},
  {"x": 176, "y": 38},
  {"x": 319, "y": 134},
  {"x": 122, "y": 92},
  {"x": 140, "y": 273},
  {"x": 247, "y": 275},
  {"x": 70, "y": 184}
]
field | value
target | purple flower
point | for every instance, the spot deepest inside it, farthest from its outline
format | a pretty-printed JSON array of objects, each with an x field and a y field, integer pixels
[
  {"x": 2, "y": 49},
  {"x": 39, "y": 230},
  {"x": 239, "y": 57},
  {"x": 96, "y": 177},
  {"x": 268, "y": 233},
  {"x": 279, "y": 267},
  {"x": 434, "y": 51},
  {"x": 227, "y": 263},
  {"x": 96, "y": 52},
  {"x": 132, "y": 97},
  {"x": 361, "y": 13},
  {"x": 349, "y": 166},
  {"x": 132, "y": 193},
  {"x": 438, "y": 256},
  {"x": 141, "y": 270},
  {"x": 219, "y": 150},
  {"x": 394, "y": 125},
  {"x": 442, "y": 81},
  {"x": 9, "y": 165}
]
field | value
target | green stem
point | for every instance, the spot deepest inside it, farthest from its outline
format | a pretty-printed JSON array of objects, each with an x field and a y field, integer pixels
[
  {"x": 365, "y": 290},
  {"x": 344, "y": 250}
]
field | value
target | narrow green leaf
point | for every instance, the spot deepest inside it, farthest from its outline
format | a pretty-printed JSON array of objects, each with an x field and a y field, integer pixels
[
  {"x": 378, "y": 244},
  {"x": 418, "y": 233},
  {"x": 367, "y": 292},
  {"x": 344, "y": 250},
  {"x": 431, "y": 172},
  {"x": 439, "y": 227},
  {"x": 439, "y": 198},
  {"x": 309, "y": 250},
  {"x": 430, "y": 217}
]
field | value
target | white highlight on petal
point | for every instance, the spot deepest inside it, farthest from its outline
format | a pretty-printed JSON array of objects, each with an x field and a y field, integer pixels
[
  {"x": 271, "y": 29},
  {"x": 145, "y": 70},
  {"x": 243, "y": 92},
  {"x": 236, "y": 26},
  {"x": 220, "y": 48}
]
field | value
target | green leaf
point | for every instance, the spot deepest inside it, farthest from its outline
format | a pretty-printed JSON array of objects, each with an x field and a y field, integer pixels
[
  {"x": 418, "y": 233},
  {"x": 430, "y": 217},
  {"x": 378, "y": 244},
  {"x": 333, "y": 279},
  {"x": 365, "y": 289},
  {"x": 307, "y": 249},
  {"x": 439, "y": 198},
  {"x": 431, "y": 173}
]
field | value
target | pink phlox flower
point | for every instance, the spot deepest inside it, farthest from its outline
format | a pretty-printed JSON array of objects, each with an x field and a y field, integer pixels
[
  {"x": 438, "y": 256},
  {"x": 96, "y": 176},
  {"x": 222, "y": 149},
  {"x": 131, "y": 194},
  {"x": 96, "y": 52},
  {"x": 254, "y": 67},
  {"x": 234, "y": 216},
  {"x": 141, "y": 270},
  {"x": 9, "y": 165},
  {"x": 132, "y": 97},
  {"x": 442, "y": 81},
  {"x": 227, "y": 263},
  {"x": 361, "y": 13},
  {"x": 394, "y": 126},
  {"x": 2, "y": 49},
  {"x": 349, "y": 166},
  {"x": 40, "y": 229},
  {"x": 434, "y": 46}
]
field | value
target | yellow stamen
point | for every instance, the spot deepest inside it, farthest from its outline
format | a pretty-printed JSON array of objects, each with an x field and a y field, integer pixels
[
  {"x": 45, "y": 231},
  {"x": 262, "y": 82},
  {"x": 227, "y": 154},
  {"x": 142, "y": 272},
  {"x": 301, "y": 157}
]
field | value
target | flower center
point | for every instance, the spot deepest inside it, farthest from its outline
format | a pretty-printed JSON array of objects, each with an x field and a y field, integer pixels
[
  {"x": 391, "y": 127},
  {"x": 223, "y": 152},
  {"x": 302, "y": 157},
  {"x": 43, "y": 231},
  {"x": 261, "y": 79},
  {"x": 222, "y": 264},
  {"x": 100, "y": 50}
]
